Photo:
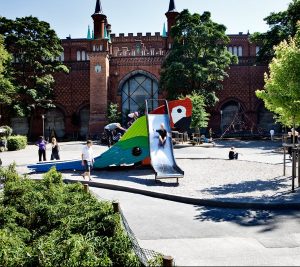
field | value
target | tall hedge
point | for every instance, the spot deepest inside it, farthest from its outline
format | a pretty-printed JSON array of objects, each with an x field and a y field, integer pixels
[{"x": 48, "y": 223}]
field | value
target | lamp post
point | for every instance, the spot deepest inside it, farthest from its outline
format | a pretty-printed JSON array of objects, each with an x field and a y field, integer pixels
[
  {"x": 43, "y": 118},
  {"x": 221, "y": 126}
]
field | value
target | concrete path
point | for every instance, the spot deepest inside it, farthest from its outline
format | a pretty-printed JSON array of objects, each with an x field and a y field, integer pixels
[
  {"x": 256, "y": 177},
  {"x": 204, "y": 236}
]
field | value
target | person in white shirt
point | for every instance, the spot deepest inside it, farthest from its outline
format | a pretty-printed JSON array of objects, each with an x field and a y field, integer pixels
[
  {"x": 109, "y": 128},
  {"x": 272, "y": 134},
  {"x": 87, "y": 159}
]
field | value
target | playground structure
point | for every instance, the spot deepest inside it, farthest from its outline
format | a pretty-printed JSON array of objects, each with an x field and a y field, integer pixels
[{"x": 139, "y": 143}]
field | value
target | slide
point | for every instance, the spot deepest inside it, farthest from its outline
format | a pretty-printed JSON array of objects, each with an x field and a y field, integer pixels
[
  {"x": 131, "y": 148},
  {"x": 138, "y": 143},
  {"x": 162, "y": 158}
]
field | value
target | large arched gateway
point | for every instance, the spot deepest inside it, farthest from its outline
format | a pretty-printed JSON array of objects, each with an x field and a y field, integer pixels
[{"x": 135, "y": 88}]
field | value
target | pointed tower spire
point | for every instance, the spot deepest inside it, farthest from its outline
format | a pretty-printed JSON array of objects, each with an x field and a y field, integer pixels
[
  {"x": 171, "y": 17},
  {"x": 98, "y": 8},
  {"x": 164, "y": 32},
  {"x": 100, "y": 21},
  {"x": 89, "y": 37},
  {"x": 172, "y": 7}
]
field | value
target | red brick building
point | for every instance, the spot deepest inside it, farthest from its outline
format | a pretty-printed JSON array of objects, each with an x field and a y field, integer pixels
[{"x": 125, "y": 69}]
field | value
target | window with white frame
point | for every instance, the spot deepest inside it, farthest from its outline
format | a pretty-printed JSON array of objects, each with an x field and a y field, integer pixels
[
  {"x": 240, "y": 51},
  {"x": 82, "y": 55},
  {"x": 78, "y": 55},
  {"x": 236, "y": 50}
]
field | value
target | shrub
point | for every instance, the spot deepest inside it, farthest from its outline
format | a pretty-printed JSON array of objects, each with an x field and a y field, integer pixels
[
  {"x": 48, "y": 223},
  {"x": 16, "y": 142}
]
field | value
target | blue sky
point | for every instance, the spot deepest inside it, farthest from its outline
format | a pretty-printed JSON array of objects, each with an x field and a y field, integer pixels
[{"x": 73, "y": 16}]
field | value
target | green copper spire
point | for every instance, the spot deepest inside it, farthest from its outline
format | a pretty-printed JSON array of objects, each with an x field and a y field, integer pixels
[
  {"x": 93, "y": 37},
  {"x": 105, "y": 33},
  {"x": 164, "y": 32},
  {"x": 89, "y": 33}
]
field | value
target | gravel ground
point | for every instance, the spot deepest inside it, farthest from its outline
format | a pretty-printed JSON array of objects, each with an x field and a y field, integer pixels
[{"x": 256, "y": 176}]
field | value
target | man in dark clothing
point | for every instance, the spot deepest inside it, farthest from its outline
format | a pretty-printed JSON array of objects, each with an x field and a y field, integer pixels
[{"x": 233, "y": 154}]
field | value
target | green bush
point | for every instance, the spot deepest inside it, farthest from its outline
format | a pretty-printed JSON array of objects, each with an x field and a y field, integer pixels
[
  {"x": 16, "y": 142},
  {"x": 48, "y": 223}
]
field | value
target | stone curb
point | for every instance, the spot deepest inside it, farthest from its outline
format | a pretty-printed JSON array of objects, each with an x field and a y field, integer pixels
[{"x": 194, "y": 201}]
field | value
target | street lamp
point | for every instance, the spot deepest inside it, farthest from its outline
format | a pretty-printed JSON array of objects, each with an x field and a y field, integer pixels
[
  {"x": 43, "y": 118},
  {"x": 221, "y": 126}
]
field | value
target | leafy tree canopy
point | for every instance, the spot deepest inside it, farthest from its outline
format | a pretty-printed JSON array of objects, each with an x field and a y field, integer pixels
[
  {"x": 282, "y": 25},
  {"x": 199, "y": 115},
  {"x": 35, "y": 47},
  {"x": 281, "y": 93},
  {"x": 198, "y": 59},
  {"x": 6, "y": 88}
]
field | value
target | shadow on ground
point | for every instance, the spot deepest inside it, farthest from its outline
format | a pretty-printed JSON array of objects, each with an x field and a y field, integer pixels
[
  {"x": 274, "y": 184},
  {"x": 245, "y": 218},
  {"x": 138, "y": 176}
]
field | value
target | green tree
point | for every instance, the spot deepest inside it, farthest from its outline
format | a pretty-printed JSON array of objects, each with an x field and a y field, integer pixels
[
  {"x": 6, "y": 87},
  {"x": 281, "y": 93},
  {"x": 282, "y": 25},
  {"x": 198, "y": 59},
  {"x": 35, "y": 47},
  {"x": 199, "y": 115},
  {"x": 113, "y": 115}
]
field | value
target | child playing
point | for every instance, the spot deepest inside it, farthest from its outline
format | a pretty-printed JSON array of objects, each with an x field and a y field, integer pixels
[{"x": 162, "y": 135}]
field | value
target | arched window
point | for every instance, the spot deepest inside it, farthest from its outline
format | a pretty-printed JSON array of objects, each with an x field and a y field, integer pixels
[
  {"x": 83, "y": 55},
  {"x": 78, "y": 55},
  {"x": 54, "y": 123},
  {"x": 231, "y": 116},
  {"x": 84, "y": 116},
  {"x": 240, "y": 51},
  {"x": 20, "y": 125},
  {"x": 135, "y": 91}
]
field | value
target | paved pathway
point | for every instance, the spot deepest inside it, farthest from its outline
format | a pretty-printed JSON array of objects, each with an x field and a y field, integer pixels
[
  {"x": 256, "y": 177},
  {"x": 205, "y": 236}
]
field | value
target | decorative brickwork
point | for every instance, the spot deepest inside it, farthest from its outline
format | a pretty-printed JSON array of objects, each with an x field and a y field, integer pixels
[{"x": 98, "y": 68}]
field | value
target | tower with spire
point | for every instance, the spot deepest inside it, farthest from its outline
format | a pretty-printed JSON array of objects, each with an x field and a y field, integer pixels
[
  {"x": 171, "y": 15},
  {"x": 100, "y": 21},
  {"x": 99, "y": 70}
]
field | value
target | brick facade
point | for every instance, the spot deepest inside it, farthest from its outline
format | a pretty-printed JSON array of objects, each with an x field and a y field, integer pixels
[{"x": 122, "y": 56}]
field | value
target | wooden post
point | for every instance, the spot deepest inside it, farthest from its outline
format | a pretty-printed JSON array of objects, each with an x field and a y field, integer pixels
[
  {"x": 116, "y": 206},
  {"x": 293, "y": 169},
  {"x": 167, "y": 261},
  {"x": 284, "y": 156},
  {"x": 86, "y": 188},
  {"x": 298, "y": 166}
]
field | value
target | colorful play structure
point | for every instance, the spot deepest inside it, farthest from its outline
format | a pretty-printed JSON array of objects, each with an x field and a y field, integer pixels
[{"x": 140, "y": 143}]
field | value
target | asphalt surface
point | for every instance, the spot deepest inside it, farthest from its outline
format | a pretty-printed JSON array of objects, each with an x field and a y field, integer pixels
[
  {"x": 198, "y": 235},
  {"x": 205, "y": 236}
]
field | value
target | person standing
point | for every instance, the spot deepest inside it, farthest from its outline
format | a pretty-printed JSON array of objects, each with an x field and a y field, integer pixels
[
  {"x": 55, "y": 149},
  {"x": 272, "y": 132},
  {"x": 133, "y": 117},
  {"x": 41, "y": 143},
  {"x": 87, "y": 159}
]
